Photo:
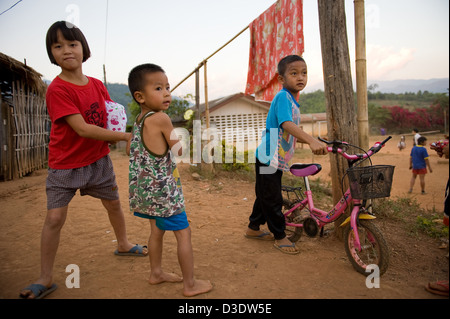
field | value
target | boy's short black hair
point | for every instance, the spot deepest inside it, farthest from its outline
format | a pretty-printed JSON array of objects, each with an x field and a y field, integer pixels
[
  {"x": 421, "y": 140},
  {"x": 71, "y": 33},
  {"x": 282, "y": 65},
  {"x": 136, "y": 78}
]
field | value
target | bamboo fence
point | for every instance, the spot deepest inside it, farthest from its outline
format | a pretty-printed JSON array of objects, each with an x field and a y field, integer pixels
[
  {"x": 26, "y": 135},
  {"x": 31, "y": 129}
]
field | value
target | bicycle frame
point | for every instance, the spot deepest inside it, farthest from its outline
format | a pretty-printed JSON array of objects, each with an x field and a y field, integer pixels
[{"x": 322, "y": 217}]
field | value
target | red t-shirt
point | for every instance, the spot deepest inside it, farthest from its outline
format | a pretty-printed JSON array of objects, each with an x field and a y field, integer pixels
[{"x": 68, "y": 150}]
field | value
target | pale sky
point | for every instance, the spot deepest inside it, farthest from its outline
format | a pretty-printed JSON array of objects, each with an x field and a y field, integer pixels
[{"x": 406, "y": 39}]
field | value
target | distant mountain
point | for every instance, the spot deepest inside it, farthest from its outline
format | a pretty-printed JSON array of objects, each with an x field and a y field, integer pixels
[
  {"x": 400, "y": 86},
  {"x": 119, "y": 93},
  {"x": 413, "y": 86}
]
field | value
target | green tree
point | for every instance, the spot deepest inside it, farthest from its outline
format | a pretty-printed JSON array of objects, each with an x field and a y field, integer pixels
[
  {"x": 313, "y": 102},
  {"x": 378, "y": 115},
  {"x": 176, "y": 109}
]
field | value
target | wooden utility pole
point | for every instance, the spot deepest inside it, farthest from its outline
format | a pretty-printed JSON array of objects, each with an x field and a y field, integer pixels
[
  {"x": 197, "y": 94},
  {"x": 209, "y": 159},
  {"x": 361, "y": 75},
  {"x": 206, "y": 94},
  {"x": 104, "y": 77},
  {"x": 197, "y": 144},
  {"x": 338, "y": 87}
]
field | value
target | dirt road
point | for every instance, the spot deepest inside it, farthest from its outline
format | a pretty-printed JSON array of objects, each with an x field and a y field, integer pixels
[{"x": 218, "y": 211}]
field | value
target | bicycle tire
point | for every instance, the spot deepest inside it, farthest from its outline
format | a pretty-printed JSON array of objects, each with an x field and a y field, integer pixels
[
  {"x": 374, "y": 248},
  {"x": 292, "y": 233}
]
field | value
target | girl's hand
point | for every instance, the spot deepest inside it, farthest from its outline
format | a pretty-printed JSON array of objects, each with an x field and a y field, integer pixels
[{"x": 127, "y": 149}]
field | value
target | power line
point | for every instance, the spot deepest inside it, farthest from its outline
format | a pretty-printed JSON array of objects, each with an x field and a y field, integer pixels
[
  {"x": 11, "y": 7},
  {"x": 106, "y": 30},
  {"x": 104, "y": 51}
]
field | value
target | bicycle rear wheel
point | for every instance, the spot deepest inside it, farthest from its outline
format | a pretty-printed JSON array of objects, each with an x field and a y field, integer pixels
[
  {"x": 292, "y": 233},
  {"x": 374, "y": 249}
]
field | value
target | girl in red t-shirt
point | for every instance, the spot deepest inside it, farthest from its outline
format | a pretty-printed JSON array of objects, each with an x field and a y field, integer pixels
[{"x": 78, "y": 150}]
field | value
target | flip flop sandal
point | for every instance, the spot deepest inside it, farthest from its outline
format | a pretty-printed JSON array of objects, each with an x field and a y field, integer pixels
[
  {"x": 137, "y": 251},
  {"x": 264, "y": 236},
  {"x": 39, "y": 291},
  {"x": 280, "y": 248},
  {"x": 438, "y": 288}
]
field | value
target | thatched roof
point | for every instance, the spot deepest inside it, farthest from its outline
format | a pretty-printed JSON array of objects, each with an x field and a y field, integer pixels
[{"x": 11, "y": 70}]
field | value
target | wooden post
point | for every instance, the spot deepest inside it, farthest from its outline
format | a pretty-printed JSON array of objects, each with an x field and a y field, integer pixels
[
  {"x": 3, "y": 139},
  {"x": 197, "y": 146},
  {"x": 206, "y": 95},
  {"x": 207, "y": 119},
  {"x": 361, "y": 78},
  {"x": 361, "y": 75},
  {"x": 104, "y": 77},
  {"x": 197, "y": 94},
  {"x": 338, "y": 87}
]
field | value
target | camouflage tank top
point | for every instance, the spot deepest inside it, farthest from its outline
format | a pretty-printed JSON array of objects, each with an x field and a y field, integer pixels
[{"x": 154, "y": 181}]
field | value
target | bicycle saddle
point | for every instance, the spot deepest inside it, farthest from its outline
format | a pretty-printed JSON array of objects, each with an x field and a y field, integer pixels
[{"x": 303, "y": 170}]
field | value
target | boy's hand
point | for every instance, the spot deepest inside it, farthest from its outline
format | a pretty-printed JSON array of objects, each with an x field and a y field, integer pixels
[{"x": 318, "y": 148}]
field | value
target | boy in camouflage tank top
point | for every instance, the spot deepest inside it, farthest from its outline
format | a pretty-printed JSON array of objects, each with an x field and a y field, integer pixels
[{"x": 155, "y": 188}]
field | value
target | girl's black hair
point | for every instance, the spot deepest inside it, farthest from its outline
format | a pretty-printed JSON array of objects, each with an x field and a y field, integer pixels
[
  {"x": 71, "y": 33},
  {"x": 282, "y": 65}
]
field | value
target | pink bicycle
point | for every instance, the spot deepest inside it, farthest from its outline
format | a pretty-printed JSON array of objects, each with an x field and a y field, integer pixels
[{"x": 364, "y": 242}]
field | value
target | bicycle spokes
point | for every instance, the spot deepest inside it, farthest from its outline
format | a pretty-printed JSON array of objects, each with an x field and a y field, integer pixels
[
  {"x": 367, "y": 254},
  {"x": 373, "y": 249}
]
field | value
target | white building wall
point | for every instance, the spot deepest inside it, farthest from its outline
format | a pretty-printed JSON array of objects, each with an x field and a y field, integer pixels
[{"x": 240, "y": 122}]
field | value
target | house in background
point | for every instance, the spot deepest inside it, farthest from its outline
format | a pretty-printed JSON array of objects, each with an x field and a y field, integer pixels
[
  {"x": 240, "y": 120},
  {"x": 314, "y": 124}
]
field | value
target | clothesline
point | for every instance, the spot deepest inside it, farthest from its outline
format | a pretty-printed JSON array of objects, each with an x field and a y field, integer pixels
[{"x": 205, "y": 60}]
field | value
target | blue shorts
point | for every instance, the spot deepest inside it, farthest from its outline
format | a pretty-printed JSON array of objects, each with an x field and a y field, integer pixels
[{"x": 174, "y": 222}]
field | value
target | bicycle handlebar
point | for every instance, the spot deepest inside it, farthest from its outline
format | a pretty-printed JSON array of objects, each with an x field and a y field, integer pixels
[{"x": 340, "y": 148}]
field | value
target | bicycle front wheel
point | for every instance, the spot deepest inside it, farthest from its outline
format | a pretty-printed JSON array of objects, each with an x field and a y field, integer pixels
[{"x": 374, "y": 249}]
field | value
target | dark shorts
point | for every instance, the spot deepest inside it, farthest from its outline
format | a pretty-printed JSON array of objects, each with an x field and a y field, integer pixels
[{"x": 97, "y": 180}]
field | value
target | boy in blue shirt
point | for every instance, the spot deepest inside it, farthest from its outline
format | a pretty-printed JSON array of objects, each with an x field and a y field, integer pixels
[
  {"x": 276, "y": 149},
  {"x": 418, "y": 162}
]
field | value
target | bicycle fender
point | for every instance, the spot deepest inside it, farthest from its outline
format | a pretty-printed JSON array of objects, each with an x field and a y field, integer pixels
[{"x": 361, "y": 216}]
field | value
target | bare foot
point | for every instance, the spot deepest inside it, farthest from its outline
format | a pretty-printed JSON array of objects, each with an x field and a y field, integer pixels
[
  {"x": 164, "y": 277},
  {"x": 199, "y": 287}
]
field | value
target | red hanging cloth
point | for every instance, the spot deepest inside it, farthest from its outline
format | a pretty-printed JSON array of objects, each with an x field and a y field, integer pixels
[{"x": 276, "y": 33}]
